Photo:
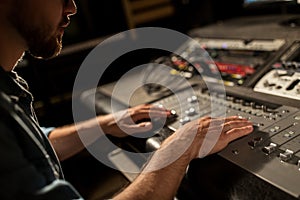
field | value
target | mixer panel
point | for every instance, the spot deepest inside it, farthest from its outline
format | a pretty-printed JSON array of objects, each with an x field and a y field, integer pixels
[{"x": 271, "y": 152}]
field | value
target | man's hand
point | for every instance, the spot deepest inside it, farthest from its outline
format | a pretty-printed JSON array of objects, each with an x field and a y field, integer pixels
[
  {"x": 198, "y": 138},
  {"x": 131, "y": 121},
  {"x": 208, "y": 135}
]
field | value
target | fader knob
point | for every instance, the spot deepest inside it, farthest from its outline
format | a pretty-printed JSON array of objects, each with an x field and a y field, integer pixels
[
  {"x": 287, "y": 155},
  {"x": 255, "y": 141},
  {"x": 270, "y": 148}
]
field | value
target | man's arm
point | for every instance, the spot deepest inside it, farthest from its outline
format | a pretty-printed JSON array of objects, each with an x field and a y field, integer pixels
[
  {"x": 160, "y": 184},
  {"x": 66, "y": 140}
]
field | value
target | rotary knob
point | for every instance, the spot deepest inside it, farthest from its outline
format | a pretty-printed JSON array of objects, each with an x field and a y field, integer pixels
[
  {"x": 190, "y": 112},
  {"x": 184, "y": 120}
]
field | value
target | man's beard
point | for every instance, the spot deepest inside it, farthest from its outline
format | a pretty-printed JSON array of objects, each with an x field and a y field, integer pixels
[
  {"x": 43, "y": 47},
  {"x": 40, "y": 42}
]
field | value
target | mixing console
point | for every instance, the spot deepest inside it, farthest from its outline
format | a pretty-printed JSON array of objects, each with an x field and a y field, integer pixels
[
  {"x": 271, "y": 152},
  {"x": 261, "y": 79}
]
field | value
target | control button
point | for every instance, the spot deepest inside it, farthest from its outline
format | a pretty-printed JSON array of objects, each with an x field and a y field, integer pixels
[
  {"x": 229, "y": 98},
  {"x": 289, "y": 134},
  {"x": 184, "y": 120},
  {"x": 173, "y": 112},
  {"x": 252, "y": 105},
  {"x": 172, "y": 117},
  {"x": 273, "y": 130},
  {"x": 235, "y": 152},
  {"x": 295, "y": 123},
  {"x": 285, "y": 111},
  {"x": 191, "y": 111},
  {"x": 297, "y": 117},
  {"x": 248, "y": 111},
  {"x": 259, "y": 113},
  {"x": 287, "y": 155},
  {"x": 258, "y": 124},
  {"x": 269, "y": 149},
  {"x": 159, "y": 105},
  {"x": 299, "y": 164},
  {"x": 192, "y": 99}
]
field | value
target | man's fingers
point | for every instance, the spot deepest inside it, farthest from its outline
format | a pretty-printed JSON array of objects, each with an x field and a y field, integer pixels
[
  {"x": 149, "y": 112},
  {"x": 235, "y": 124},
  {"x": 238, "y": 132},
  {"x": 225, "y": 124}
]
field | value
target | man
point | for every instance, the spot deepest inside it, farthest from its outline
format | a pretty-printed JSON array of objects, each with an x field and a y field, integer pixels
[{"x": 29, "y": 168}]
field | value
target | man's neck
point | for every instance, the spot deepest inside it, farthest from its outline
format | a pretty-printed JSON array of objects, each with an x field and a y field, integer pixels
[{"x": 12, "y": 48}]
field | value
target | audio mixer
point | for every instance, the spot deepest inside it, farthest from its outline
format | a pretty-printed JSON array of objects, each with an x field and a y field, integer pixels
[
  {"x": 261, "y": 78},
  {"x": 272, "y": 151}
]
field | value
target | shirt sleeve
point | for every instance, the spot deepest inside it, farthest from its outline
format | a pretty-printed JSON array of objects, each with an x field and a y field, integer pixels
[
  {"x": 19, "y": 176},
  {"x": 47, "y": 130}
]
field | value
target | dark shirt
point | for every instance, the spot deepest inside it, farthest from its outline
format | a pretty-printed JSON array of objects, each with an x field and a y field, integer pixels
[{"x": 29, "y": 167}]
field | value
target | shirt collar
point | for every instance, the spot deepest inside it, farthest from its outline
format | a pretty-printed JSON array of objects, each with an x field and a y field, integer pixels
[{"x": 17, "y": 88}]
